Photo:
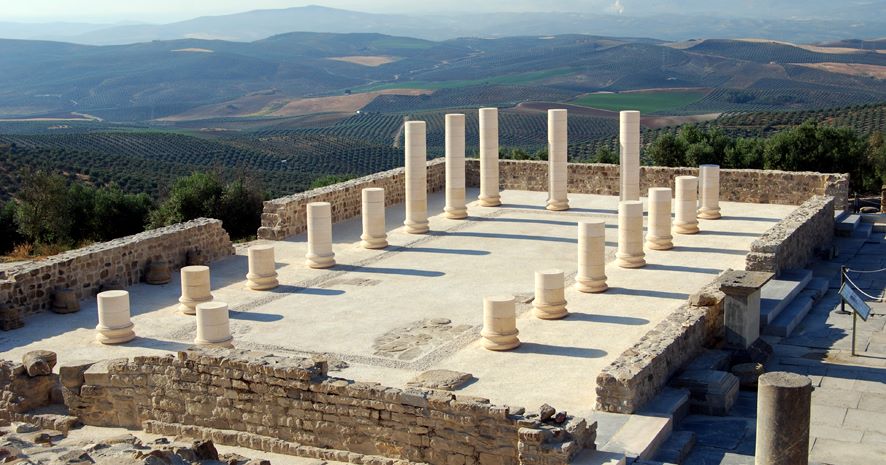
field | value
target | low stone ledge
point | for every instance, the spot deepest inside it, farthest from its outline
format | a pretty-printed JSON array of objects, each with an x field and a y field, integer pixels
[{"x": 793, "y": 241}]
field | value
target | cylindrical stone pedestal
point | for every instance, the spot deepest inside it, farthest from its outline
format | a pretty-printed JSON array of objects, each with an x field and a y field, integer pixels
[
  {"x": 489, "y": 194},
  {"x": 416, "y": 178},
  {"x": 262, "y": 273},
  {"x": 213, "y": 324},
  {"x": 629, "y": 155},
  {"x": 320, "y": 253},
  {"x": 64, "y": 300},
  {"x": 783, "y": 413},
  {"x": 455, "y": 208},
  {"x": 195, "y": 288},
  {"x": 658, "y": 234},
  {"x": 374, "y": 235},
  {"x": 686, "y": 205},
  {"x": 709, "y": 187},
  {"x": 550, "y": 295},
  {"x": 114, "y": 324},
  {"x": 158, "y": 272},
  {"x": 591, "y": 276},
  {"x": 500, "y": 323},
  {"x": 630, "y": 235},
  {"x": 557, "y": 170}
]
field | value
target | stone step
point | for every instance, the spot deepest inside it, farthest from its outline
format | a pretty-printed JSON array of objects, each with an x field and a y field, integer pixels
[
  {"x": 845, "y": 223},
  {"x": 652, "y": 462},
  {"x": 710, "y": 359},
  {"x": 598, "y": 457},
  {"x": 778, "y": 293},
  {"x": 878, "y": 220},
  {"x": 819, "y": 286},
  {"x": 711, "y": 392},
  {"x": 676, "y": 448},
  {"x": 863, "y": 231},
  {"x": 670, "y": 402},
  {"x": 792, "y": 315},
  {"x": 640, "y": 437}
]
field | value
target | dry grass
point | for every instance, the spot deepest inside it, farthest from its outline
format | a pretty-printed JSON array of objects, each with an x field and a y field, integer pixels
[
  {"x": 852, "y": 69},
  {"x": 339, "y": 103},
  {"x": 21, "y": 252},
  {"x": 367, "y": 60}
]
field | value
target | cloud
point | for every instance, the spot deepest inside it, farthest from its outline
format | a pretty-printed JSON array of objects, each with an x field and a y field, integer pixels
[{"x": 617, "y": 7}]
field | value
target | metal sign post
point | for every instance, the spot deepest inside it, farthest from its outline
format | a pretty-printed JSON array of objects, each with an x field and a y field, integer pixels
[
  {"x": 842, "y": 310},
  {"x": 859, "y": 307}
]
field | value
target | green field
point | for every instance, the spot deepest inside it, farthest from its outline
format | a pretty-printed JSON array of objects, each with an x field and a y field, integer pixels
[{"x": 645, "y": 102}]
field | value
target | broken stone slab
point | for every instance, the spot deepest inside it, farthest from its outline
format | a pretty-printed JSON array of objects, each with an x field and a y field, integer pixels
[
  {"x": 546, "y": 412},
  {"x": 71, "y": 374},
  {"x": 742, "y": 283},
  {"x": 747, "y": 374},
  {"x": 711, "y": 392},
  {"x": 447, "y": 380},
  {"x": 39, "y": 362}
]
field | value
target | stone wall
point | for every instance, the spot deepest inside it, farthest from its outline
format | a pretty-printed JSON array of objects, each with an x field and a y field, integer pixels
[
  {"x": 752, "y": 186},
  {"x": 641, "y": 371},
  {"x": 794, "y": 241},
  {"x": 291, "y": 406},
  {"x": 287, "y": 216},
  {"x": 28, "y": 288}
]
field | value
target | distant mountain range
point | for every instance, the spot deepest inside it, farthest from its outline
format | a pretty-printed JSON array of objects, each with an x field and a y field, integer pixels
[{"x": 662, "y": 20}]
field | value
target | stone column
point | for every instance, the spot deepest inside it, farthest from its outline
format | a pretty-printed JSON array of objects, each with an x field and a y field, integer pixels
[
  {"x": 686, "y": 205},
  {"x": 709, "y": 186},
  {"x": 630, "y": 235},
  {"x": 374, "y": 235},
  {"x": 262, "y": 268},
  {"x": 591, "y": 275},
  {"x": 629, "y": 155},
  {"x": 455, "y": 167},
  {"x": 550, "y": 295},
  {"x": 416, "y": 178},
  {"x": 114, "y": 324},
  {"x": 320, "y": 254},
  {"x": 741, "y": 307},
  {"x": 213, "y": 324},
  {"x": 558, "y": 173},
  {"x": 784, "y": 405},
  {"x": 658, "y": 236},
  {"x": 195, "y": 288},
  {"x": 500, "y": 323},
  {"x": 489, "y": 195}
]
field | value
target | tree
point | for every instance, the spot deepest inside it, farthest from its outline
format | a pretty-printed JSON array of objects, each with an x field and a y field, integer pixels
[
  {"x": 9, "y": 236},
  {"x": 240, "y": 208},
  {"x": 191, "y": 197},
  {"x": 746, "y": 152},
  {"x": 117, "y": 214},
  {"x": 605, "y": 155},
  {"x": 43, "y": 214},
  {"x": 666, "y": 150}
]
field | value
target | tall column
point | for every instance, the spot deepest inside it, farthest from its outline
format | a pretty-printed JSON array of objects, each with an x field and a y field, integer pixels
[
  {"x": 550, "y": 295},
  {"x": 213, "y": 324},
  {"x": 262, "y": 268},
  {"x": 416, "y": 178},
  {"x": 557, "y": 160},
  {"x": 374, "y": 235},
  {"x": 630, "y": 235},
  {"x": 629, "y": 155},
  {"x": 320, "y": 254},
  {"x": 489, "y": 195},
  {"x": 784, "y": 404},
  {"x": 591, "y": 275},
  {"x": 686, "y": 205},
  {"x": 114, "y": 324},
  {"x": 709, "y": 186},
  {"x": 455, "y": 167},
  {"x": 195, "y": 288},
  {"x": 658, "y": 236},
  {"x": 500, "y": 323}
]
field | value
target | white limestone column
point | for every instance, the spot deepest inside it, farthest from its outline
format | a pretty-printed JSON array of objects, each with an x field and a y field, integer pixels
[
  {"x": 195, "y": 288},
  {"x": 489, "y": 194},
  {"x": 114, "y": 323},
  {"x": 658, "y": 235},
  {"x": 629, "y": 155},
  {"x": 709, "y": 186},
  {"x": 500, "y": 323},
  {"x": 558, "y": 174},
  {"x": 686, "y": 205},
  {"x": 550, "y": 295},
  {"x": 630, "y": 235},
  {"x": 262, "y": 268},
  {"x": 416, "y": 178},
  {"x": 320, "y": 254},
  {"x": 374, "y": 235},
  {"x": 455, "y": 167},
  {"x": 591, "y": 275},
  {"x": 213, "y": 324}
]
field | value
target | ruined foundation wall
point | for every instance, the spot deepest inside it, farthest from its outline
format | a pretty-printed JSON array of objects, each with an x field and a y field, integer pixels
[
  {"x": 793, "y": 241},
  {"x": 28, "y": 288},
  {"x": 287, "y": 216},
  {"x": 289, "y": 405}
]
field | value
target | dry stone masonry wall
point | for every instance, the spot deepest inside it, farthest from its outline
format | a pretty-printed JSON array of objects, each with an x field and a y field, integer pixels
[
  {"x": 28, "y": 288},
  {"x": 793, "y": 241},
  {"x": 291, "y": 406}
]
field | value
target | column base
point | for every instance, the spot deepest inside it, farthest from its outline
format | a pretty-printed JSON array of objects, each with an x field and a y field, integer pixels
[
  {"x": 659, "y": 243},
  {"x": 374, "y": 242},
  {"x": 224, "y": 343},
  {"x": 320, "y": 261},
  {"x": 496, "y": 341},
  {"x": 550, "y": 312},
  {"x": 114, "y": 335},
  {"x": 689, "y": 228},
  {"x": 591, "y": 286},
  {"x": 261, "y": 283},
  {"x": 417, "y": 228},
  {"x": 189, "y": 306},
  {"x": 709, "y": 214},
  {"x": 629, "y": 261},
  {"x": 557, "y": 205},
  {"x": 456, "y": 213},
  {"x": 490, "y": 201}
]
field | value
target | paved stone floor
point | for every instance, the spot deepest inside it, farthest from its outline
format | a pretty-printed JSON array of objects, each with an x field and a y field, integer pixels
[
  {"x": 384, "y": 313},
  {"x": 849, "y": 401}
]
